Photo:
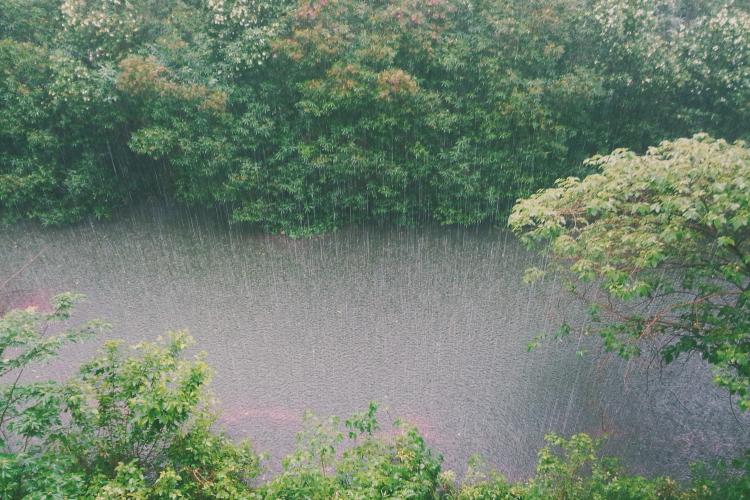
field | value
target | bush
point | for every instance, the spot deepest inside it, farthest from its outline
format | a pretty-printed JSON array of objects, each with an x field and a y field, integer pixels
[{"x": 126, "y": 426}]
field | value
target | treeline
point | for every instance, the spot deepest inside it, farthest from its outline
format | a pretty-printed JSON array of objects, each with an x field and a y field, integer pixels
[
  {"x": 303, "y": 115},
  {"x": 137, "y": 424}
]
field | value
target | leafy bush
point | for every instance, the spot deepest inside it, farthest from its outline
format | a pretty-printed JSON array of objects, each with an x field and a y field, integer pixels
[{"x": 125, "y": 426}]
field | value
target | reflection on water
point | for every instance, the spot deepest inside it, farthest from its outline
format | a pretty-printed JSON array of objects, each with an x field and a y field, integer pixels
[{"x": 433, "y": 323}]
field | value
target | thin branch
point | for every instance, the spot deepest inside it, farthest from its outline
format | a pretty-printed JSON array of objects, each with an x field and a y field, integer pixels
[{"x": 22, "y": 268}]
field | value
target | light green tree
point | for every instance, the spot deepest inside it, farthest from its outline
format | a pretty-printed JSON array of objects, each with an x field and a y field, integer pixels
[
  {"x": 131, "y": 424},
  {"x": 658, "y": 247}
]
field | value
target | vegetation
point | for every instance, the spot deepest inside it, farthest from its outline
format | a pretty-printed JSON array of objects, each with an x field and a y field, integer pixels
[
  {"x": 658, "y": 246},
  {"x": 301, "y": 115},
  {"x": 127, "y": 426},
  {"x": 138, "y": 424}
]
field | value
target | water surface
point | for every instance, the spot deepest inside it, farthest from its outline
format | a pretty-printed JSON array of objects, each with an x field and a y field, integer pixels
[{"x": 433, "y": 323}]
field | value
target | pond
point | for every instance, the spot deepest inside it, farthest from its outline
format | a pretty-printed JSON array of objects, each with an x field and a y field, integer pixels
[{"x": 432, "y": 323}]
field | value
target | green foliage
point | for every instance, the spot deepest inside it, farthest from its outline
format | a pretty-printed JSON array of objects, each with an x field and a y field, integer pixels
[
  {"x": 300, "y": 116},
  {"x": 726, "y": 479},
  {"x": 568, "y": 469},
  {"x": 481, "y": 482},
  {"x": 390, "y": 118},
  {"x": 373, "y": 466},
  {"x": 54, "y": 137},
  {"x": 35, "y": 21},
  {"x": 136, "y": 423},
  {"x": 673, "y": 68},
  {"x": 133, "y": 425},
  {"x": 27, "y": 411},
  {"x": 572, "y": 468},
  {"x": 664, "y": 237},
  {"x": 142, "y": 422}
]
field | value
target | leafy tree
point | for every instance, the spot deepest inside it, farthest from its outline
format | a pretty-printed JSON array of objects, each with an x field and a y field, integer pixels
[
  {"x": 658, "y": 246},
  {"x": 127, "y": 426},
  {"x": 35, "y": 21},
  {"x": 300, "y": 116},
  {"x": 99, "y": 30},
  {"x": 56, "y": 137},
  {"x": 668, "y": 69},
  {"x": 28, "y": 410},
  {"x": 145, "y": 418}
]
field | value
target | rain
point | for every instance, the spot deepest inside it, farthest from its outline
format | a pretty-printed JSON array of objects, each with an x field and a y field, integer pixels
[{"x": 431, "y": 322}]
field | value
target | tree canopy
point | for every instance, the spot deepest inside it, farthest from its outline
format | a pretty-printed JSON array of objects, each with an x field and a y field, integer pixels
[
  {"x": 658, "y": 246},
  {"x": 302, "y": 115}
]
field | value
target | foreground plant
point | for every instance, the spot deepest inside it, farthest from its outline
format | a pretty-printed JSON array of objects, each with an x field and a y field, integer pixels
[
  {"x": 132, "y": 424},
  {"x": 372, "y": 465},
  {"x": 28, "y": 410},
  {"x": 136, "y": 423},
  {"x": 658, "y": 246}
]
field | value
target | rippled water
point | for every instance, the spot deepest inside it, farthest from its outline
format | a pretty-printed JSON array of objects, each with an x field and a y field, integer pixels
[{"x": 433, "y": 323}]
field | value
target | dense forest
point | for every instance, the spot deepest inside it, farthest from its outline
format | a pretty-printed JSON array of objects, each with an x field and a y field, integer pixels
[
  {"x": 608, "y": 133},
  {"x": 301, "y": 116}
]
